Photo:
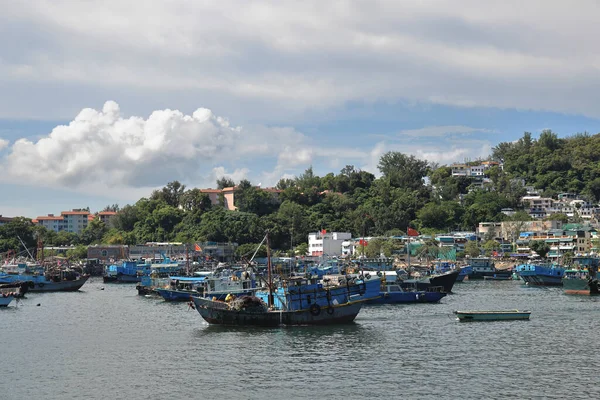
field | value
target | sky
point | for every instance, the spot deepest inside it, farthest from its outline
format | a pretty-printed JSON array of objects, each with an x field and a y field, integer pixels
[{"x": 102, "y": 102}]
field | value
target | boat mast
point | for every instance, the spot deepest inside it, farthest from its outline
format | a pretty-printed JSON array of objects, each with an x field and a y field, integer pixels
[
  {"x": 187, "y": 260},
  {"x": 269, "y": 274}
]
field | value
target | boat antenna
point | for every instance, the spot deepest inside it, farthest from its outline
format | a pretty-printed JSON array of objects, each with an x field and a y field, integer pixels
[
  {"x": 270, "y": 275},
  {"x": 26, "y": 249}
]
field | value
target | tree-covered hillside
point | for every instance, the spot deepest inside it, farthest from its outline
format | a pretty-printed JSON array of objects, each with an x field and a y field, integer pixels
[{"x": 351, "y": 201}]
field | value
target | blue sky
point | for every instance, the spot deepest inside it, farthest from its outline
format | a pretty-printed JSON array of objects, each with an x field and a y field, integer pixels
[{"x": 100, "y": 103}]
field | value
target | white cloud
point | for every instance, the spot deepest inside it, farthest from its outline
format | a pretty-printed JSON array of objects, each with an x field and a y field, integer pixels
[
  {"x": 102, "y": 148},
  {"x": 3, "y": 143},
  {"x": 272, "y": 60}
]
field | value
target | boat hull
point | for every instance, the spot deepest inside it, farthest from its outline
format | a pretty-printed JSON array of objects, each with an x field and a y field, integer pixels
[
  {"x": 445, "y": 281},
  {"x": 218, "y": 313},
  {"x": 5, "y": 301},
  {"x": 62, "y": 286},
  {"x": 407, "y": 297},
  {"x": 467, "y": 316},
  {"x": 583, "y": 286}
]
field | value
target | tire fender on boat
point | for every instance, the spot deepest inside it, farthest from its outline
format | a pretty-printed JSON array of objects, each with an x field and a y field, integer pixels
[
  {"x": 315, "y": 309},
  {"x": 41, "y": 284},
  {"x": 330, "y": 310}
]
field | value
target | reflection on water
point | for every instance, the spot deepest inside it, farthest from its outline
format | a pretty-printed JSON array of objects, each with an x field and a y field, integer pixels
[{"x": 113, "y": 343}]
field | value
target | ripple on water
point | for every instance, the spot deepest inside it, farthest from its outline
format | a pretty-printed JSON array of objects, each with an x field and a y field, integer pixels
[{"x": 113, "y": 343}]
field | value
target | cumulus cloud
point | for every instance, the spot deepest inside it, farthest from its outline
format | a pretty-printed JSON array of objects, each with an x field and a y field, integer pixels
[
  {"x": 275, "y": 59},
  {"x": 3, "y": 143},
  {"x": 102, "y": 147}
]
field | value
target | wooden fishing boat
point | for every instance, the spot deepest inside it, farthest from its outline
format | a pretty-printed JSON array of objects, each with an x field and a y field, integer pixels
[{"x": 501, "y": 315}]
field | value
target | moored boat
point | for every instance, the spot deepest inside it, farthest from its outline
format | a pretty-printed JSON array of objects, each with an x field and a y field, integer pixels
[
  {"x": 501, "y": 315},
  {"x": 582, "y": 277},
  {"x": 300, "y": 300},
  {"x": 52, "y": 281},
  {"x": 444, "y": 280},
  {"x": 394, "y": 294},
  {"x": 485, "y": 266},
  {"x": 541, "y": 275}
]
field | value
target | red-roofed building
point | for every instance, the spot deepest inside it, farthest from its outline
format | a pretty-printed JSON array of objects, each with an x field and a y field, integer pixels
[
  {"x": 71, "y": 221},
  {"x": 106, "y": 216}
]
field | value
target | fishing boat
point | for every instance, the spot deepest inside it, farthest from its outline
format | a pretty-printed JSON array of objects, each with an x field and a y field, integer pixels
[
  {"x": 444, "y": 280},
  {"x": 541, "y": 274},
  {"x": 485, "y": 266},
  {"x": 50, "y": 281},
  {"x": 582, "y": 278},
  {"x": 394, "y": 294},
  {"x": 129, "y": 271},
  {"x": 213, "y": 286},
  {"x": 503, "y": 315},
  {"x": 300, "y": 300}
]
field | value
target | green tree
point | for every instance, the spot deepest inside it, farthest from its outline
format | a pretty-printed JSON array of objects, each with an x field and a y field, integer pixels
[
  {"x": 540, "y": 247},
  {"x": 403, "y": 171},
  {"x": 472, "y": 249},
  {"x": 225, "y": 182}
]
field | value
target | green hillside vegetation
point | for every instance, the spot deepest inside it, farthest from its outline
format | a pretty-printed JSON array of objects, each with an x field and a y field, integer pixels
[{"x": 350, "y": 201}]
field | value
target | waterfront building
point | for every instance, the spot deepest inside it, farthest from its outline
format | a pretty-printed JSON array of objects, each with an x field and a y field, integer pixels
[
  {"x": 74, "y": 221},
  {"x": 106, "y": 216},
  {"x": 107, "y": 253},
  {"x": 327, "y": 243}
]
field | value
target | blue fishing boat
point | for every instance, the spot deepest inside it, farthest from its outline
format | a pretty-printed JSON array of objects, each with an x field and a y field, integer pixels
[
  {"x": 394, "y": 294},
  {"x": 216, "y": 286},
  {"x": 464, "y": 272},
  {"x": 128, "y": 271},
  {"x": 46, "y": 281},
  {"x": 541, "y": 274},
  {"x": 300, "y": 300}
]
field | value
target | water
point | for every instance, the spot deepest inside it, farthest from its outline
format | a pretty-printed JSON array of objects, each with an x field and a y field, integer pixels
[{"x": 101, "y": 344}]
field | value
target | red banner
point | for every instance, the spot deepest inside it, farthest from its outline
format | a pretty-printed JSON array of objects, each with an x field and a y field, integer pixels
[{"x": 412, "y": 232}]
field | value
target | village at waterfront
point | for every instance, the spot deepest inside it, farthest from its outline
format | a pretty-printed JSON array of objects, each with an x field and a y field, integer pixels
[{"x": 323, "y": 278}]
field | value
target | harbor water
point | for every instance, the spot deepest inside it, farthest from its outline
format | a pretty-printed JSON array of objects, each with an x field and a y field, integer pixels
[{"x": 112, "y": 343}]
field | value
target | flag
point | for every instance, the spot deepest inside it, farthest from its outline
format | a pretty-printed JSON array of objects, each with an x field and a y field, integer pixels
[
  {"x": 412, "y": 232},
  {"x": 363, "y": 242},
  {"x": 323, "y": 232},
  {"x": 196, "y": 247}
]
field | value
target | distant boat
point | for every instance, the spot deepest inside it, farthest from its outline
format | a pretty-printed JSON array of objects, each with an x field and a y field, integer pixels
[
  {"x": 444, "y": 280},
  {"x": 52, "y": 281},
  {"x": 582, "y": 279},
  {"x": 541, "y": 275},
  {"x": 485, "y": 266},
  {"x": 394, "y": 294},
  {"x": 503, "y": 315}
]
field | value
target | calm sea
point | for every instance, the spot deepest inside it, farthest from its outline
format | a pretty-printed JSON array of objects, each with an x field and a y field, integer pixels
[{"x": 114, "y": 344}]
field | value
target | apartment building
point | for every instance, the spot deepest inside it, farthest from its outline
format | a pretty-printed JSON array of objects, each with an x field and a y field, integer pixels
[
  {"x": 74, "y": 221},
  {"x": 4, "y": 220}
]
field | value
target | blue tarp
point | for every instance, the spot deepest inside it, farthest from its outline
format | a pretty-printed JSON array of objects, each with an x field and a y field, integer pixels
[{"x": 188, "y": 278}]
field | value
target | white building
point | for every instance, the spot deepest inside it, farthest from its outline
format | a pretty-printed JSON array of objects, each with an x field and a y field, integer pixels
[
  {"x": 327, "y": 243},
  {"x": 71, "y": 221}
]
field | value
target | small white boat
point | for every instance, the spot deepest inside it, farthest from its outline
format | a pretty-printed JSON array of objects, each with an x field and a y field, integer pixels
[
  {"x": 5, "y": 300},
  {"x": 502, "y": 315}
]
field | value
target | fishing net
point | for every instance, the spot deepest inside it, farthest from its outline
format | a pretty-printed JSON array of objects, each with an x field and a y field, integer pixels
[{"x": 249, "y": 303}]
